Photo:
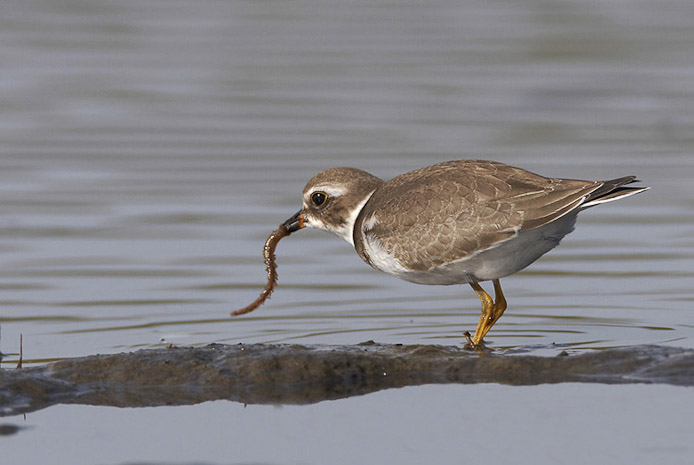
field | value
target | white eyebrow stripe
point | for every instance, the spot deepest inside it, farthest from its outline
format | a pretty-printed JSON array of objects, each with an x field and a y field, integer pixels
[{"x": 332, "y": 191}]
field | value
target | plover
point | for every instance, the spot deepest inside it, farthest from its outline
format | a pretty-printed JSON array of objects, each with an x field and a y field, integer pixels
[{"x": 456, "y": 222}]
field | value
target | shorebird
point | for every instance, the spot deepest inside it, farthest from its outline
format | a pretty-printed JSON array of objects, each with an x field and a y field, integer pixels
[{"x": 456, "y": 222}]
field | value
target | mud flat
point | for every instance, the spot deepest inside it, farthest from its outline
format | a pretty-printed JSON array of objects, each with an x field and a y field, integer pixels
[{"x": 295, "y": 374}]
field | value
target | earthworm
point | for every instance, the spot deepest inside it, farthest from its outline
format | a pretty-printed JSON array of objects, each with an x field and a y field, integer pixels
[{"x": 271, "y": 266}]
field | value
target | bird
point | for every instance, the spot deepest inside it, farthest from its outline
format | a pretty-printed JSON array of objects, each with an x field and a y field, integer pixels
[{"x": 455, "y": 222}]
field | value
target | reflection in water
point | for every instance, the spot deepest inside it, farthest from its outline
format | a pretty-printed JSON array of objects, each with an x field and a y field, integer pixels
[{"x": 295, "y": 374}]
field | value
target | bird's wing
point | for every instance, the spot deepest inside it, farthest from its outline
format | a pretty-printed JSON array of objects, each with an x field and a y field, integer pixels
[{"x": 452, "y": 210}]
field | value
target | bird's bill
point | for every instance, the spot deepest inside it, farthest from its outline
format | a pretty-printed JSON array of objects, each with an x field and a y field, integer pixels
[{"x": 294, "y": 223}]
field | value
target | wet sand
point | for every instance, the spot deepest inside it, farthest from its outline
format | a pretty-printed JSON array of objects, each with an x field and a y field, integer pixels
[{"x": 296, "y": 374}]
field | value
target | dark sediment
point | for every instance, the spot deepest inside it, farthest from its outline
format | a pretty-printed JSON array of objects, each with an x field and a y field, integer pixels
[{"x": 294, "y": 374}]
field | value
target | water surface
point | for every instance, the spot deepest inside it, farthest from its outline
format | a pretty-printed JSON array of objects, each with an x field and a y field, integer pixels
[{"x": 148, "y": 149}]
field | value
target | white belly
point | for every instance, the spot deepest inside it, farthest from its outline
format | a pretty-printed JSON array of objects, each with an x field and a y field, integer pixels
[{"x": 502, "y": 260}]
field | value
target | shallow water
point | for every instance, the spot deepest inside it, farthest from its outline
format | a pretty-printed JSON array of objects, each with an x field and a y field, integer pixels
[
  {"x": 434, "y": 424},
  {"x": 147, "y": 150}
]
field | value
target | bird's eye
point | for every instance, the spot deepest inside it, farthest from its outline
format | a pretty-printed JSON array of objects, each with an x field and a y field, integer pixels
[{"x": 319, "y": 198}]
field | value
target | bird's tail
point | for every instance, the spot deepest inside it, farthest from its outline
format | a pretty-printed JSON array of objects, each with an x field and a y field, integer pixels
[{"x": 613, "y": 189}]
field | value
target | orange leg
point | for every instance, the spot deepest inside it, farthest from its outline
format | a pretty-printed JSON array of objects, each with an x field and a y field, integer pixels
[{"x": 491, "y": 310}]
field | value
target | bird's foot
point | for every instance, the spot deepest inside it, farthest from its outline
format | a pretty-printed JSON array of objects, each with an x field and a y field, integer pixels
[{"x": 472, "y": 345}]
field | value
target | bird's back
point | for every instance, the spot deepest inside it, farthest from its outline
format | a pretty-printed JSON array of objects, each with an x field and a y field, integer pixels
[{"x": 450, "y": 211}]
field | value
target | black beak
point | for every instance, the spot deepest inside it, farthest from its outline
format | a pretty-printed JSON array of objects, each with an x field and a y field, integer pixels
[{"x": 294, "y": 223}]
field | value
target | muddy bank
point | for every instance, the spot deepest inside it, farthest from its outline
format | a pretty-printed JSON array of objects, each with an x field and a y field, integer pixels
[{"x": 294, "y": 374}]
